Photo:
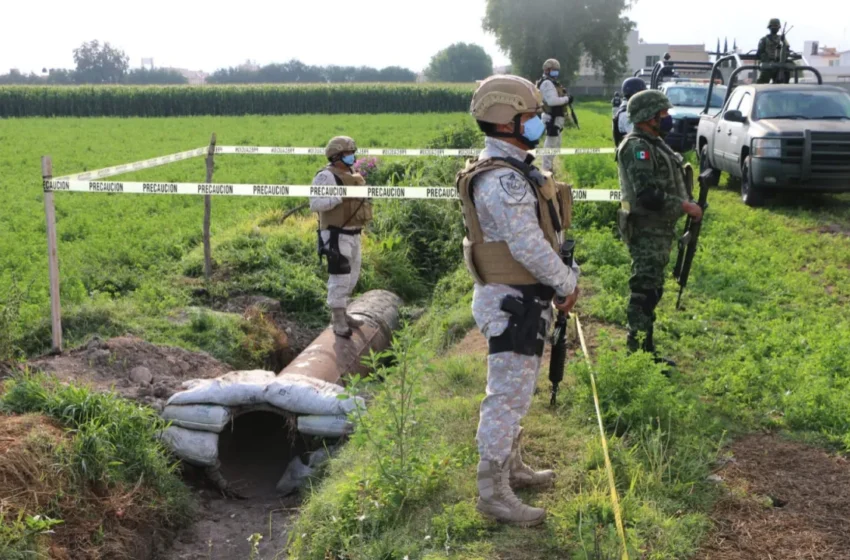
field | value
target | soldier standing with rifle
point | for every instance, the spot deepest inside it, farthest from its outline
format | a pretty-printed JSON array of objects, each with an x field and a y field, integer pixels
[
  {"x": 340, "y": 222},
  {"x": 770, "y": 53},
  {"x": 555, "y": 101},
  {"x": 515, "y": 216},
  {"x": 656, "y": 191}
]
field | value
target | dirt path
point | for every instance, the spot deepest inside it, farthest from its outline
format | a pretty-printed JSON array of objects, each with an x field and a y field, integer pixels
[{"x": 796, "y": 505}]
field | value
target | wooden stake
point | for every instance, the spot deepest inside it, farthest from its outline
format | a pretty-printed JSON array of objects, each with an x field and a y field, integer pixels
[
  {"x": 208, "y": 212},
  {"x": 52, "y": 257}
]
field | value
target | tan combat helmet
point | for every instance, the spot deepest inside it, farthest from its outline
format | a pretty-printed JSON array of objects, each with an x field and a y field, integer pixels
[
  {"x": 500, "y": 98},
  {"x": 551, "y": 64},
  {"x": 339, "y": 145}
]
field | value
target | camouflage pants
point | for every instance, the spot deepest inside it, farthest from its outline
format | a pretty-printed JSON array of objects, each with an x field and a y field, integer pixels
[
  {"x": 511, "y": 379},
  {"x": 765, "y": 76},
  {"x": 650, "y": 252}
]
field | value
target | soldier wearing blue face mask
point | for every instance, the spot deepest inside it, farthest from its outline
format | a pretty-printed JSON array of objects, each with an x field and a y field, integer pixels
[
  {"x": 555, "y": 101},
  {"x": 340, "y": 222},
  {"x": 515, "y": 217}
]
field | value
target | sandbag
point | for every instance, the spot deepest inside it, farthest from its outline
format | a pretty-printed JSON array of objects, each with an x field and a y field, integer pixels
[
  {"x": 236, "y": 388},
  {"x": 305, "y": 395},
  {"x": 325, "y": 425},
  {"x": 203, "y": 417},
  {"x": 197, "y": 448}
]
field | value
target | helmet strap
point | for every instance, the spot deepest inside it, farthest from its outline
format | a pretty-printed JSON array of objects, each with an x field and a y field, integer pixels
[{"x": 516, "y": 134}]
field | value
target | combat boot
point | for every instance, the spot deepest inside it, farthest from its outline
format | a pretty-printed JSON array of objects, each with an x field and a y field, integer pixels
[
  {"x": 340, "y": 325},
  {"x": 523, "y": 476},
  {"x": 649, "y": 346},
  {"x": 497, "y": 501}
]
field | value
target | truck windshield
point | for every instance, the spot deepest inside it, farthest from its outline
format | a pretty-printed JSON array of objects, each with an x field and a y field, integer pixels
[
  {"x": 695, "y": 96},
  {"x": 834, "y": 105}
]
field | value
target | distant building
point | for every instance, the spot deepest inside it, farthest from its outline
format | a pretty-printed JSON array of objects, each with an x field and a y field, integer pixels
[
  {"x": 833, "y": 65},
  {"x": 646, "y": 55},
  {"x": 195, "y": 77}
]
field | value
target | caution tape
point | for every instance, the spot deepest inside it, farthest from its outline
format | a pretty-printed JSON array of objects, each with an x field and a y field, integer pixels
[
  {"x": 615, "y": 499},
  {"x": 224, "y": 189},
  {"x": 136, "y": 166},
  {"x": 447, "y": 152}
]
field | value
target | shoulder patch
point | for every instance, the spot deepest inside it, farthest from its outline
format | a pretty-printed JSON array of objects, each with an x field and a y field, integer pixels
[
  {"x": 641, "y": 155},
  {"x": 514, "y": 186}
]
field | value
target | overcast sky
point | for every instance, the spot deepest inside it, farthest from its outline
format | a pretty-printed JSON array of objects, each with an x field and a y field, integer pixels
[{"x": 197, "y": 36}]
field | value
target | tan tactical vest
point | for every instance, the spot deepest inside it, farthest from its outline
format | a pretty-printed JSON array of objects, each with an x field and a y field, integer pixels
[
  {"x": 492, "y": 262},
  {"x": 353, "y": 213}
]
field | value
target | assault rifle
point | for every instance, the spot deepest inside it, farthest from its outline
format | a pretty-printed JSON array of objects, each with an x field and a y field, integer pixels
[
  {"x": 573, "y": 113},
  {"x": 558, "y": 358},
  {"x": 690, "y": 237}
]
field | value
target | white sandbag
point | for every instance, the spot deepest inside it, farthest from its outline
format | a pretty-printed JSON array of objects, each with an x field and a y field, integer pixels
[
  {"x": 197, "y": 448},
  {"x": 325, "y": 425},
  {"x": 305, "y": 395},
  {"x": 232, "y": 389},
  {"x": 203, "y": 417}
]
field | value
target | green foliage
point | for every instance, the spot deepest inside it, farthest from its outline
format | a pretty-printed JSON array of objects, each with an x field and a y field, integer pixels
[
  {"x": 596, "y": 29},
  {"x": 174, "y": 101},
  {"x": 24, "y": 537},
  {"x": 100, "y": 64},
  {"x": 115, "y": 441},
  {"x": 296, "y": 71},
  {"x": 460, "y": 62}
]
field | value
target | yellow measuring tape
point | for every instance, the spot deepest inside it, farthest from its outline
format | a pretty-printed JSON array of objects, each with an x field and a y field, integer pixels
[{"x": 614, "y": 497}]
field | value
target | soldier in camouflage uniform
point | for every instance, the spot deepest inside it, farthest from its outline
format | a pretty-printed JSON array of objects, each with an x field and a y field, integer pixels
[
  {"x": 769, "y": 49},
  {"x": 656, "y": 188},
  {"x": 515, "y": 216},
  {"x": 341, "y": 221}
]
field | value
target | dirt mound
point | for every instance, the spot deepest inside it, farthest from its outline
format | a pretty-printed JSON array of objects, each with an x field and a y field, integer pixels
[
  {"x": 34, "y": 480},
  {"x": 786, "y": 500},
  {"x": 132, "y": 367}
]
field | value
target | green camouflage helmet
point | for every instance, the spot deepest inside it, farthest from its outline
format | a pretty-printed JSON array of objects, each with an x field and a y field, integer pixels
[
  {"x": 644, "y": 105},
  {"x": 774, "y": 23}
]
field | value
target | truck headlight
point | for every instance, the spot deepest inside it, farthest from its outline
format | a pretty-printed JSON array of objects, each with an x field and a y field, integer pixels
[{"x": 767, "y": 148}]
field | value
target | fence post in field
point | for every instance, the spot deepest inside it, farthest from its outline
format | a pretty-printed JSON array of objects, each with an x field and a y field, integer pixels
[
  {"x": 208, "y": 211},
  {"x": 52, "y": 257}
]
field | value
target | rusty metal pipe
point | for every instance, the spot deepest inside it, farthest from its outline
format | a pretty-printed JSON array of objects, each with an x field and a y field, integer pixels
[{"x": 330, "y": 357}]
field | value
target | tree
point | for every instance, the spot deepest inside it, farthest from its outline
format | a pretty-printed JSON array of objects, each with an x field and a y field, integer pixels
[
  {"x": 158, "y": 76},
  {"x": 533, "y": 30},
  {"x": 98, "y": 64},
  {"x": 460, "y": 62}
]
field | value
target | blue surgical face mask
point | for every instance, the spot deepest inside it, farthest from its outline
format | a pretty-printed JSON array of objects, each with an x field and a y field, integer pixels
[
  {"x": 349, "y": 160},
  {"x": 666, "y": 124},
  {"x": 533, "y": 129},
  {"x": 554, "y": 73}
]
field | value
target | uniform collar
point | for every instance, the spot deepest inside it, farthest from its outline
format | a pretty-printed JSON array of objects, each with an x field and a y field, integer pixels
[{"x": 493, "y": 147}]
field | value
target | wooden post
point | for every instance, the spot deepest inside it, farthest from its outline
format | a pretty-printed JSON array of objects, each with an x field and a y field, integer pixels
[
  {"x": 208, "y": 211},
  {"x": 52, "y": 257}
]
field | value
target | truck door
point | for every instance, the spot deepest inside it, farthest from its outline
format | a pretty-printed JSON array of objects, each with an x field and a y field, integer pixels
[{"x": 723, "y": 157}]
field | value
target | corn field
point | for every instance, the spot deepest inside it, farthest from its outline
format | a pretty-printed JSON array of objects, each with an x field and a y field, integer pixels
[{"x": 173, "y": 101}]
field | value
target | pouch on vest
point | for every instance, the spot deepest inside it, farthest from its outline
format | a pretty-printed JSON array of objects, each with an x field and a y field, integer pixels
[{"x": 552, "y": 129}]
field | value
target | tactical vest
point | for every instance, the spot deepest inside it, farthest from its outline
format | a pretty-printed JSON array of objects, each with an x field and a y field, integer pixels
[
  {"x": 557, "y": 111},
  {"x": 667, "y": 163},
  {"x": 492, "y": 262},
  {"x": 352, "y": 212}
]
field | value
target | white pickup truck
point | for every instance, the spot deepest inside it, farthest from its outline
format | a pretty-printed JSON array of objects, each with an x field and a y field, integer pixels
[{"x": 780, "y": 137}]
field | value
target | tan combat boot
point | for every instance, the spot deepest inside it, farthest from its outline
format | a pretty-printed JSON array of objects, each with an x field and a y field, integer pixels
[
  {"x": 339, "y": 323},
  {"x": 497, "y": 501},
  {"x": 523, "y": 476}
]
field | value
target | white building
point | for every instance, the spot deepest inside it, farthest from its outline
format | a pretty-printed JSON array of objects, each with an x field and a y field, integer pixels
[
  {"x": 833, "y": 65},
  {"x": 646, "y": 55}
]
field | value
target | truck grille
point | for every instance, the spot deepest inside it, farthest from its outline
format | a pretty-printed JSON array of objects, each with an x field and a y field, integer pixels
[{"x": 821, "y": 154}]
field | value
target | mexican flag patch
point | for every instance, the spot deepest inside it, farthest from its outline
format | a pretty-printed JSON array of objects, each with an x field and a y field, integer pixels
[{"x": 642, "y": 155}]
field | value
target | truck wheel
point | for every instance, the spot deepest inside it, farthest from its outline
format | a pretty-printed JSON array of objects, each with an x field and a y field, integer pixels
[
  {"x": 703, "y": 159},
  {"x": 751, "y": 195}
]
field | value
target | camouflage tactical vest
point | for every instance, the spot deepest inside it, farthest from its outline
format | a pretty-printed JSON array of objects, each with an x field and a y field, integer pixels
[
  {"x": 352, "y": 213},
  {"x": 492, "y": 262}
]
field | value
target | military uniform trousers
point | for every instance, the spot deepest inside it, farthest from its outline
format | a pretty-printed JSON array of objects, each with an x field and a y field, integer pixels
[
  {"x": 341, "y": 286},
  {"x": 650, "y": 251},
  {"x": 511, "y": 379}
]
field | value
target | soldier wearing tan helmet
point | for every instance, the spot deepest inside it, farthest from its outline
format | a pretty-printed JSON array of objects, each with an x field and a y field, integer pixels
[
  {"x": 555, "y": 101},
  {"x": 515, "y": 218},
  {"x": 341, "y": 220}
]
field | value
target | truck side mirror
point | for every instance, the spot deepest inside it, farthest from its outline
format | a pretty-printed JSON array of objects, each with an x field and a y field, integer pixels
[{"x": 734, "y": 116}]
